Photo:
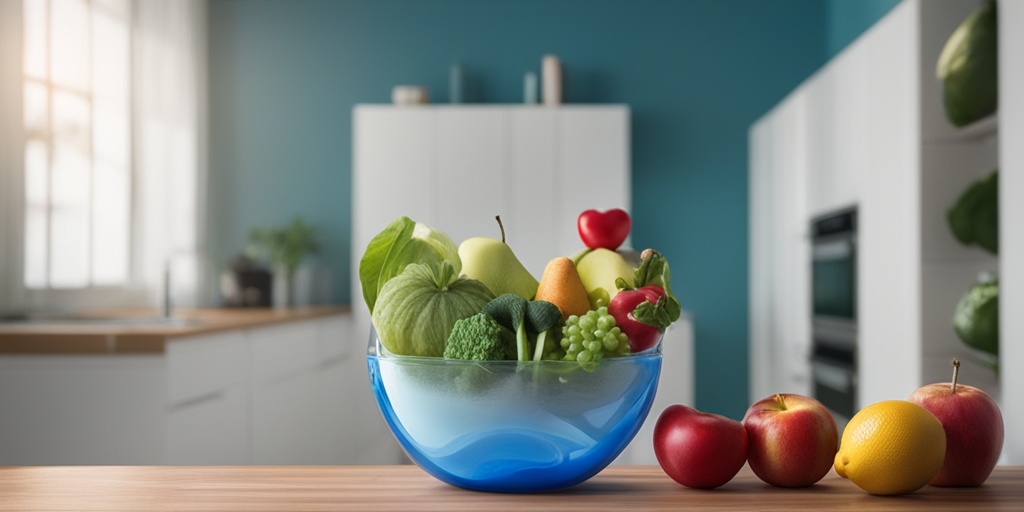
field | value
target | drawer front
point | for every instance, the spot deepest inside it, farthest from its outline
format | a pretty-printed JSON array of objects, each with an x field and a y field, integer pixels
[
  {"x": 282, "y": 350},
  {"x": 200, "y": 366},
  {"x": 213, "y": 429}
]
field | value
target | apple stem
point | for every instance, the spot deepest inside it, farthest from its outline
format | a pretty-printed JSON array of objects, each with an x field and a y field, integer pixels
[
  {"x": 502, "y": 228},
  {"x": 779, "y": 399},
  {"x": 956, "y": 370}
]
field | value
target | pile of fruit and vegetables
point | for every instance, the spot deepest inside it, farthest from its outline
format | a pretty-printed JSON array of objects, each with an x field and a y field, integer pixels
[
  {"x": 944, "y": 435},
  {"x": 477, "y": 301}
]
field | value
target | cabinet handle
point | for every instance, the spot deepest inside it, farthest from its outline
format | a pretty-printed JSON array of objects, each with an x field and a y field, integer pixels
[{"x": 197, "y": 400}]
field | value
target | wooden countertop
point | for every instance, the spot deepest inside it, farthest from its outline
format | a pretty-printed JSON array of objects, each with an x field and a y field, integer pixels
[
  {"x": 366, "y": 488},
  {"x": 128, "y": 338}
]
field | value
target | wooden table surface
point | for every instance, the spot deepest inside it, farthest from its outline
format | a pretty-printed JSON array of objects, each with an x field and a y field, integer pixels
[{"x": 367, "y": 488}]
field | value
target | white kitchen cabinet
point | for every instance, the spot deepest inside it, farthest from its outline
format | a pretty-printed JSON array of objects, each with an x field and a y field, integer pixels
[
  {"x": 779, "y": 256},
  {"x": 868, "y": 129},
  {"x": 278, "y": 394},
  {"x": 1011, "y": 236},
  {"x": 283, "y": 386},
  {"x": 72, "y": 410},
  {"x": 207, "y": 400},
  {"x": 301, "y": 380}
]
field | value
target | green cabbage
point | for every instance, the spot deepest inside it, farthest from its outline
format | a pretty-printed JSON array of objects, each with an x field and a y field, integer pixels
[
  {"x": 974, "y": 219},
  {"x": 968, "y": 68},
  {"x": 417, "y": 309},
  {"x": 976, "y": 318}
]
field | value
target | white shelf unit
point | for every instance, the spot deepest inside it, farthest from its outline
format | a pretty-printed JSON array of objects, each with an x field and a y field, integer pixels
[
  {"x": 1011, "y": 236},
  {"x": 454, "y": 167},
  {"x": 869, "y": 129}
]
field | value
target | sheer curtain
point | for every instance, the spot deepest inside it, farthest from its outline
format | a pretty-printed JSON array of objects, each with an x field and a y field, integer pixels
[
  {"x": 168, "y": 162},
  {"x": 170, "y": 140}
]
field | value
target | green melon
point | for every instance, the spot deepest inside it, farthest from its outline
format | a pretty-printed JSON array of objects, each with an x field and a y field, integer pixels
[
  {"x": 976, "y": 318},
  {"x": 968, "y": 68},
  {"x": 974, "y": 218}
]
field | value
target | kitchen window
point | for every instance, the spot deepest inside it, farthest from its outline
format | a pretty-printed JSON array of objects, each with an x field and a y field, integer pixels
[
  {"x": 77, "y": 221},
  {"x": 102, "y": 164}
]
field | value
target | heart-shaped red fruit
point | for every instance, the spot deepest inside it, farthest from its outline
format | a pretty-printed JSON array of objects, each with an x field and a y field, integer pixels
[{"x": 605, "y": 230}]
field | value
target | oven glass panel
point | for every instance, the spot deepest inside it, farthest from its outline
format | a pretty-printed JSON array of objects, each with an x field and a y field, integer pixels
[{"x": 834, "y": 283}]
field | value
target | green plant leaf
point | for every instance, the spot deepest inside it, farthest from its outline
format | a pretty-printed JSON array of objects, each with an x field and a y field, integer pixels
[{"x": 401, "y": 243}]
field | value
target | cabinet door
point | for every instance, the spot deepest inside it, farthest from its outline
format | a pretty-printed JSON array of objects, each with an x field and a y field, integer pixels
[
  {"x": 592, "y": 158},
  {"x": 209, "y": 429},
  {"x": 284, "y": 393},
  {"x": 533, "y": 187},
  {"x": 1011, "y": 237},
  {"x": 341, "y": 368},
  {"x": 394, "y": 152},
  {"x": 90, "y": 409},
  {"x": 471, "y": 178},
  {"x": 207, "y": 418}
]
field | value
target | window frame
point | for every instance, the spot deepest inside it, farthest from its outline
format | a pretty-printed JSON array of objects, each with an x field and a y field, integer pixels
[{"x": 20, "y": 298}]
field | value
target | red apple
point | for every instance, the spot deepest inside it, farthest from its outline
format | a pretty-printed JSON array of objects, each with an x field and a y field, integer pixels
[
  {"x": 699, "y": 449},
  {"x": 793, "y": 440},
  {"x": 974, "y": 430}
]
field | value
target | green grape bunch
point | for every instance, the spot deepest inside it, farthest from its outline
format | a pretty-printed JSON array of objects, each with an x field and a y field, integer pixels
[{"x": 589, "y": 338}]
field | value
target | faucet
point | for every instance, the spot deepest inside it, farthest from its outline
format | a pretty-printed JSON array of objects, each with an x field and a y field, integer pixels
[{"x": 166, "y": 301}]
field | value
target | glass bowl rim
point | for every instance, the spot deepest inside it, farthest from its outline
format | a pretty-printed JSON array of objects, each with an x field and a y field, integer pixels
[{"x": 376, "y": 350}]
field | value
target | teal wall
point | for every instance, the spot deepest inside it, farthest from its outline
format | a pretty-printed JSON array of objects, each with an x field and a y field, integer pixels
[
  {"x": 847, "y": 19},
  {"x": 284, "y": 75}
]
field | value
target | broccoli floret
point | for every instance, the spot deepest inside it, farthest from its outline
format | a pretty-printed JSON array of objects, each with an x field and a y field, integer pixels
[
  {"x": 524, "y": 318},
  {"x": 480, "y": 338}
]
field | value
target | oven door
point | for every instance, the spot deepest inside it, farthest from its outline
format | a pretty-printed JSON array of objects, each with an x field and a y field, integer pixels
[
  {"x": 834, "y": 374},
  {"x": 834, "y": 311}
]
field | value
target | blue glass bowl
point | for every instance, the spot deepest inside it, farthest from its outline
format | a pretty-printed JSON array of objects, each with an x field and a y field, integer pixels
[{"x": 506, "y": 426}]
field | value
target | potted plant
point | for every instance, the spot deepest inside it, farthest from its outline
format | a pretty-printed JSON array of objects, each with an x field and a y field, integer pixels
[{"x": 285, "y": 248}]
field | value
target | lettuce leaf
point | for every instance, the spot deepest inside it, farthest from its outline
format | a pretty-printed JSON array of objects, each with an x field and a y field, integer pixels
[{"x": 401, "y": 243}]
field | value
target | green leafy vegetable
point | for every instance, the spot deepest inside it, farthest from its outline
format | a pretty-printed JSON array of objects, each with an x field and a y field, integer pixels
[
  {"x": 524, "y": 318},
  {"x": 969, "y": 67},
  {"x": 974, "y": 219},
  {"x": 402, "y": 242},
  {"x": 417, "y": 309},
  {"x": 480, "y": 338},
  {"x": 976, "y": 318},
  {"x": 654, "y": 270}
]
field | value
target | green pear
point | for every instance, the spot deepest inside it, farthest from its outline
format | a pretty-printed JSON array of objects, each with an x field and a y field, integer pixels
[
  {"x": 493, "y": 263},
  {"x": 598, "y": 270}
]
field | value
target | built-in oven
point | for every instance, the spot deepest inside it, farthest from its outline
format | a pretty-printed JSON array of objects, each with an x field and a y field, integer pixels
[{"x": 834, "y": 315}]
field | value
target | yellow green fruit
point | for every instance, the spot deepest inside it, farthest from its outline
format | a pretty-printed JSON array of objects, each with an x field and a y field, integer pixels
[{"x": 891, "y": 447}]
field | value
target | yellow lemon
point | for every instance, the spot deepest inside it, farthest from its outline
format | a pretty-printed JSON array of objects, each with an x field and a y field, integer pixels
[{"x": 891, "y": 447}]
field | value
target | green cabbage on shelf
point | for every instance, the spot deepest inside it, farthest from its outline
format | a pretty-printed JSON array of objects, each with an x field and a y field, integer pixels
[
  {"x": 974, "y": 218},
  {"x": 968, "y": 68}
]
